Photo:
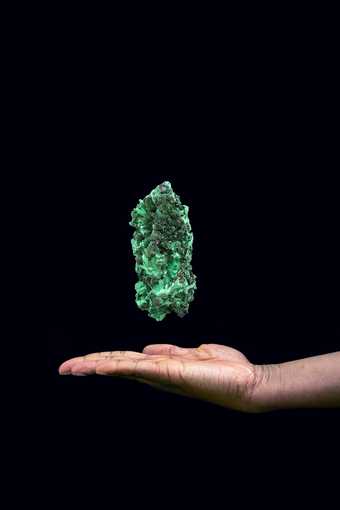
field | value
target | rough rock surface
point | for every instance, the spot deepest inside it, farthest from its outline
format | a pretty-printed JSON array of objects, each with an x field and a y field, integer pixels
[{"x": 162, "y": 245}]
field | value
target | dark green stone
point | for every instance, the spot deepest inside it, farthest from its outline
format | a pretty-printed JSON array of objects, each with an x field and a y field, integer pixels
[{"x": 162, "y": 246}]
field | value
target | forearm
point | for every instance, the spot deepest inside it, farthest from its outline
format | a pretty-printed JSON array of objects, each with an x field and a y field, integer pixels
[{"x": 311, "y": 382}]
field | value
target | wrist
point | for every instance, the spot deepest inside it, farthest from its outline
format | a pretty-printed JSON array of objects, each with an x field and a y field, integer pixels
[{"x": 266, "y": 388}]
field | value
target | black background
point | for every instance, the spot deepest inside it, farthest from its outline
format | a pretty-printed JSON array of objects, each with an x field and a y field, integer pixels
[{"x": 251, "y": 163}]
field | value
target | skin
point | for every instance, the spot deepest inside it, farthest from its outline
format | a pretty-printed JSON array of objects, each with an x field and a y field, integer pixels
[{"x": 221, "y": 375}]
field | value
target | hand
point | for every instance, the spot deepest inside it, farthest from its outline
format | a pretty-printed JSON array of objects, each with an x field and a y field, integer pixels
[{"x": 211, "y": 372}]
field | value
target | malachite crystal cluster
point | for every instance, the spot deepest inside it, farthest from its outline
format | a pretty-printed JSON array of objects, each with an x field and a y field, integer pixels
[{"x": 162, "y": 246}]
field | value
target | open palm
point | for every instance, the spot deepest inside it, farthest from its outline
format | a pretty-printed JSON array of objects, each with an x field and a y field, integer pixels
[{"x": 212, "y": 372}]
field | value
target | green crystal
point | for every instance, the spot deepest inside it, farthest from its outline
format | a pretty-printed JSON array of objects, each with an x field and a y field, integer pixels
[{"x": 162, "y": 246}]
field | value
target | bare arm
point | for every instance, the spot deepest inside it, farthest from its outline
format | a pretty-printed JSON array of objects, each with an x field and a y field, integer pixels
[{"x": 310, "y": 382}]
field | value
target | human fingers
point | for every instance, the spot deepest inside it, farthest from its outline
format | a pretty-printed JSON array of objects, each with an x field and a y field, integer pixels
[
  {"x": 114, "y": 365},
  {"x": 155, "y": 369},
  {"x": 119, "y": 366},
  {"x": 66, "y": 367}
]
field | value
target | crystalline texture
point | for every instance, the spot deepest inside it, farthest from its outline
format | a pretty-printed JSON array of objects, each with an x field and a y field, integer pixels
[{"x": 162, "y": 246}]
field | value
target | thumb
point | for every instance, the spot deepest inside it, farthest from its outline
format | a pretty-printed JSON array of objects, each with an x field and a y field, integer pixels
[{"x": 165, "y": 349}]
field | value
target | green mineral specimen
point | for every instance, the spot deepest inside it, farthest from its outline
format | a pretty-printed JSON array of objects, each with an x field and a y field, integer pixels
[{"x": 162, "y": 246}]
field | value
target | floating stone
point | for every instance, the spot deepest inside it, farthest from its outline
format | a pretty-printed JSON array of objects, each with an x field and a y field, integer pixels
[{"x": 162, "y": 246}]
